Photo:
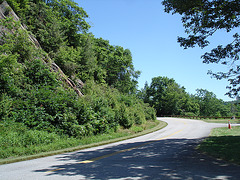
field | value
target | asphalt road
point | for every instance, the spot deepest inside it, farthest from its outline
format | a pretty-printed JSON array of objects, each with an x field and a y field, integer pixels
[{"x": 166, "y": 154}]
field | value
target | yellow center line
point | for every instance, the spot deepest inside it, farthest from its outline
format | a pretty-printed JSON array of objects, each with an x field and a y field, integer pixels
[
  {"x": 169, "y": 135},
  {"x": 121, "y": 151},
  {"x": 125, "y": 150},
  {"x": 54, "y": 170},
  {"x": 112, "y": 154}
]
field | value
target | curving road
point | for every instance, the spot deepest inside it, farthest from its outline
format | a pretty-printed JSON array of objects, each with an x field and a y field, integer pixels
[{"x": 166, "y": 154}]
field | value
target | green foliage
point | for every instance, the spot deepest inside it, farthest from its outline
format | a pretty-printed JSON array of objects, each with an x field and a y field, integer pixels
[
  {"x": 117, "y": 65},
  {"x": 165, "y": 95},
  {"x": 72, "y": 19},
  {"x": 190, "y": 106},
  {"x": 169, "y": 98},
  {"x": 5, "y": 106},
  {"x": 46, "y": 27},
  {"x": 17, "y": 140},
  {"x": 8, "y": 73},
  {"x": 55, "y": 110},
  {"x": 189, "y": 114},
  {"x": 20, "y": 135},
  {"x": 39, "y": 74},
  {"x": 20, "y": 7},
  {"x": 210, "y": 105},
  {"x": 80, "y": 62},
  {"x": 201, "y": 19},
  {"x": 61, "y": 29},
  {"x": 117, "y": 108},
  {"x": 67, "y": 59},
  {"x": 150, "y": 113},
  {"x": 42, "y": 104},
  {"x": 36, "y": 107},
  {"x": 15, "y": 45}
]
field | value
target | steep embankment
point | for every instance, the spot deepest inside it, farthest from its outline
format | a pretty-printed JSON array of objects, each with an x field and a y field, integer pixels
[
  {"x": 39, "y": 107},
  {"x": 6, "y": 12}
]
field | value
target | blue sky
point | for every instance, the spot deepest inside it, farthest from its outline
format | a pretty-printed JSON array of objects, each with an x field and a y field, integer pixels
[{"x": 151, "y": 35}]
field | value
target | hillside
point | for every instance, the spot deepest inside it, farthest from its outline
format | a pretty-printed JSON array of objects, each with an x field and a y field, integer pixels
[
  {"x": 41, "y": 68},
  {"x": 60, "y": 84}
]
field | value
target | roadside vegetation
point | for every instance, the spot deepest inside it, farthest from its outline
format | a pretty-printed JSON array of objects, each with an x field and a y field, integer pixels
[
  {"x": 40, "y": 113},
  {"x": 223, "y": 143},
  {"x": 19, "y": 143}
]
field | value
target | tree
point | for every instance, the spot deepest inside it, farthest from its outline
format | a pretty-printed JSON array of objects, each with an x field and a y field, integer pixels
[
  {"x": 117, "y": 66},
  {"x": 209, "y": 104},
  {"x": 72, "y": 17},
  {"x": 190, "y": 106},
  {"x": 165, "y": 95},
  {"x": 20, "y": 7},
  {"x": 142, "y": 94},
  {"x": 201, "y": 19},
  {"x": 42, "y": 22}
]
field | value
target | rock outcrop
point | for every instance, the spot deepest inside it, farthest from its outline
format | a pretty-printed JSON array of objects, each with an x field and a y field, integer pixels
[{"x": 6, "y": 11}]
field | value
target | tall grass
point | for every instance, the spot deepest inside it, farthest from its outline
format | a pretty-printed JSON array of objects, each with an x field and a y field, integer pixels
[{"x": 16, "y": 140}]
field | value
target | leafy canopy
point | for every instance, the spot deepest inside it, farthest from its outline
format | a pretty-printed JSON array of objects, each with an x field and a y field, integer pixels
[
  {"x": 201, "y": 19},
  {"x": 165, "y": 95}
]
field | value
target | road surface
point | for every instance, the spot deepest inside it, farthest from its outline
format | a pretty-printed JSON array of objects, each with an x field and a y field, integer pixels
[{"x": 165, "y": 154}]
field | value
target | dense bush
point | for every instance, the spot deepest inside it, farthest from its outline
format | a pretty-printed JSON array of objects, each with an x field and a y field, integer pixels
[
  {"x": 42, "y": 103},
  {"x": 36, "y": 106},
  {"x": 117, "y": 108}
]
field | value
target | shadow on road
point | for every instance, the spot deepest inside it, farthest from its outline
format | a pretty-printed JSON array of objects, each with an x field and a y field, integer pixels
[{"x": 164, "y": 159}]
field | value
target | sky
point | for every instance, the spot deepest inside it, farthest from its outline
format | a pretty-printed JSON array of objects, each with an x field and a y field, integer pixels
[{"x": 150, "y": 34}]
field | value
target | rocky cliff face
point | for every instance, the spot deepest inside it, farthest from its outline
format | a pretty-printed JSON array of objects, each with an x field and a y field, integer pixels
[{"x": 6, "y": 11}]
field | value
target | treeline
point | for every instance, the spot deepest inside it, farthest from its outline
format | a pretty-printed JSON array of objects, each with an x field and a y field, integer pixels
[
  {"x": 33, "y": 96},
  {"x": 169, "y": 98}
]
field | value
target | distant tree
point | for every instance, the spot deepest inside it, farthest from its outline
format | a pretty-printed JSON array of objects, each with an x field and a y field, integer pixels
[
  {"x": 209, "y": 104},
  {"x": 189, "y": 106},
  {"x": 142, "y": 94},
  {"x": 201, "y": 19},
  {"x": 165, "y": 95}
]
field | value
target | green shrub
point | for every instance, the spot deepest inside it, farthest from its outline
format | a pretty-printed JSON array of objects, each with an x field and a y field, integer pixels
[
  {"x": 124, "y": 116},
  {"x": 41, "y": 103},
  {"x": 78, "y": 130},
  {"x": 16, "y": 135},
  {"x": 139, "y": 117},
  {"x": 16, "y": 139},
  {"x": 5, "y": 106},
  {"x": 189, "y": 114},
  {"x": 150, "y": 113}
]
